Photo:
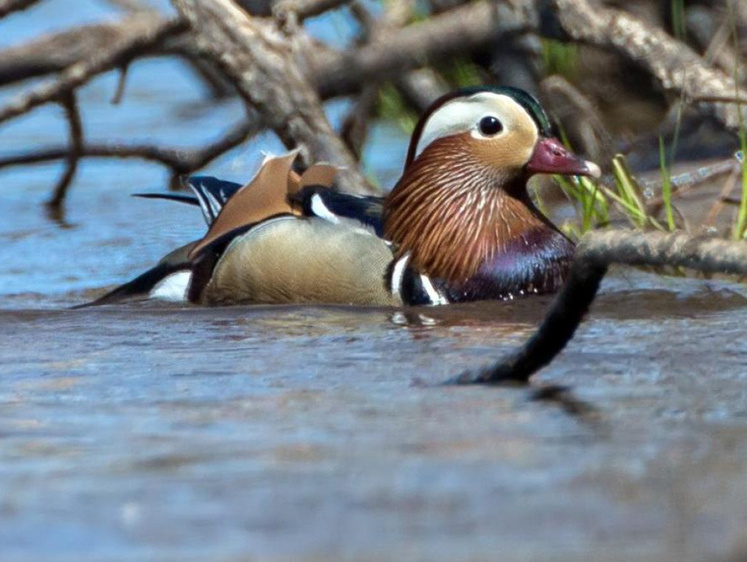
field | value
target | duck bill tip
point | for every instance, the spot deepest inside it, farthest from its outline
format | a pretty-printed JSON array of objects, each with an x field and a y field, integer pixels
[
  {"x": 551, "y": 157},
  {"x": 592, "y": 170}
]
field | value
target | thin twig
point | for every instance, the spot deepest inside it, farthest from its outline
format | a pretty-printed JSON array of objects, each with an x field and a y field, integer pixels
[
  {"x": 596, "y": 252},
  {"x": 178, "y": 160},
  {"x": 70, "y": 104},
  {"x": 718, "y": 204},
  {"x": 720, "y": 99},
  {"x": 121, "y": 83},
  {"x": 687, "y": 182}
]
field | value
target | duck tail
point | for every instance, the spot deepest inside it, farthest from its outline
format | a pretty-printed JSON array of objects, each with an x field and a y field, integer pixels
[{"x": 144, "y": 285}]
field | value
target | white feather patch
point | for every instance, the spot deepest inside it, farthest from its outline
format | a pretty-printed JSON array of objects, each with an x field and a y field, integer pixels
[
  {"x": 398, "y": 273},
  {"x": 463, "y": 115},
  {"x": 173, "y": 287},
  {"x": 433, "y": 294},
  {"x": 322, "y": 211}
]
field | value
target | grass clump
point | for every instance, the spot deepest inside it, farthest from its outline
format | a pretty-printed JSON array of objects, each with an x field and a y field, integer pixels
[{"x": 559, "y": 58}]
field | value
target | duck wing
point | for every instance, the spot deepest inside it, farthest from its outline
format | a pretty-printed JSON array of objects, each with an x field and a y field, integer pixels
[{"x": 334, "y": 206}]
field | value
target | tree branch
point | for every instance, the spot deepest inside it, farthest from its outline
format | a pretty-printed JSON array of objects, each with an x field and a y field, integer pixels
[
  {"x": 57, "y": 51},
  {"x": 178, "y": 160},
  {"x": 10, "y": 6},
  {"x": 676, "y": 67},
  {"x": 81, "y": 72},
  {"x": 460, "y": 30},
  {"x": 261, "y": 63},
  {"x": 70, "y": 104},
  {"x": 596, "y": 252},
  {"x": 303, "y": 9}
]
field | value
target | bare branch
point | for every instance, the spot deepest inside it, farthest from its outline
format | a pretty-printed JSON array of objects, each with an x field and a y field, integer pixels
[
  {"x": 259, "y": 60},
  {"x": 676, "y": 67},
  {"x": 462, "y": 29},
  {"x": 70, "y": 104},
  {"x": 303, "y": 9},
  {"x": 177, "y": 160},
  {"x": 81, "y": 72},
  {"x": 596, "y": 252},
  {"x": 55, "y": 52},
  {"x": 9, "y": 6}
]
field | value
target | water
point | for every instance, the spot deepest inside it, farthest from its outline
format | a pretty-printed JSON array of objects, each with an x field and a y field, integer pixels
[{"x": 153, "y": 431}]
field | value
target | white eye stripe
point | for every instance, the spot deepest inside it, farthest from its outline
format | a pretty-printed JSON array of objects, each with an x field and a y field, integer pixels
[{"x": 464, "y": 114}]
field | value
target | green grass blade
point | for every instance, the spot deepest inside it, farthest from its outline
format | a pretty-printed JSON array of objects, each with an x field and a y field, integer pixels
[{"x": 666, "y": 185}]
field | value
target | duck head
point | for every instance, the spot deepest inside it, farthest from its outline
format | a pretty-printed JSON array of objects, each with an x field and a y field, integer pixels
[{"x": 462, "y": 198}]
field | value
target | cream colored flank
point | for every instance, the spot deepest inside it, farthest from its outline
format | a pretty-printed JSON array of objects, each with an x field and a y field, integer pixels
[{"x": 292, "y": 260}]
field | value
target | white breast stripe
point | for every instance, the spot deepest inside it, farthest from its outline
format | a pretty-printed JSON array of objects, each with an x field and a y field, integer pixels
[
  {"x": 436, "y": 297},
  {"x": 172, "y": 287},
  {"x": 398, "y": 273}
]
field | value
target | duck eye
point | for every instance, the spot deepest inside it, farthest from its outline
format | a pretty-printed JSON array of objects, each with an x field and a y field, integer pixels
[{"x": 490, "y": 126}]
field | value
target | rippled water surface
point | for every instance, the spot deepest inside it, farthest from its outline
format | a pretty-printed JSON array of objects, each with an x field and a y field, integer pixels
[{"x": 153, "y": 431}]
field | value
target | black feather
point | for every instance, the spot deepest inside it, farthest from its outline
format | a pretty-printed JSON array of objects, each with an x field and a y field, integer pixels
[
  {"x": 178, "y": 197},
  {"x": 364, "y": 209},
  {"x": 212, "y": 194}
]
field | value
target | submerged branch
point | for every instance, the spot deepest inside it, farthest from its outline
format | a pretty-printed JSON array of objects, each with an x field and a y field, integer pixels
[{"x": 596, "y": 252}]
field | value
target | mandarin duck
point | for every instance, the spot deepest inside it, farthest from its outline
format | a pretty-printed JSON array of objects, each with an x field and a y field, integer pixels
[{"x": 459, "y": 224}]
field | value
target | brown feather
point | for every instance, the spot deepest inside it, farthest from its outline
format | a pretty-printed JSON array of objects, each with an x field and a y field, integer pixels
[
  {"x": 452, "y": 211},
  {"x": 265, "y": 196}
]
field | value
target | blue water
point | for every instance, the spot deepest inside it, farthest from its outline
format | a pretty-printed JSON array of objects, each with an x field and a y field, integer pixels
[{"x": 160, "y": 432}]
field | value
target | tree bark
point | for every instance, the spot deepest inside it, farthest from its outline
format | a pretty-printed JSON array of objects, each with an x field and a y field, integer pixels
[{"x": 262, "y": 64}]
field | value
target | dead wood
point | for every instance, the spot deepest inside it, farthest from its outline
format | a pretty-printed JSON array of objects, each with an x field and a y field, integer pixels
[
  {"x": 302, "y": 9},
  {"x": 179, "y": 161},
  {"x": 460, "y": 30},
  {"x": 70, "y": 105},
  {"x": 58, "y": 51},
  {"x": 260, "y": 61},
  {"x": 676, "y": 67},
  {"x": 283, "y": 73},
  {"x": 81, "y": 72},
  {"x": 10, "y": 6},
  {"x": 596, "y": 252}
]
